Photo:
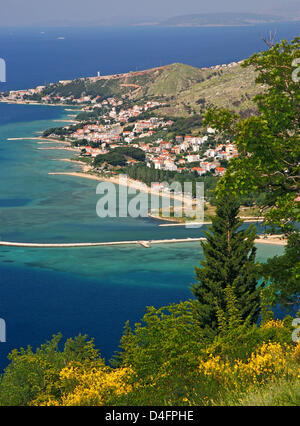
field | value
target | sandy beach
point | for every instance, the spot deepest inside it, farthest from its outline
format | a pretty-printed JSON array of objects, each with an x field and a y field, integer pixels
[
  {"x": 277, "y": 240},
  {"x": 139, "y": 186}
]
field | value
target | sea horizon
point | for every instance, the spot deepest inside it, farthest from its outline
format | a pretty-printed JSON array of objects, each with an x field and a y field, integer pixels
[{"x": 82, "y": 52}]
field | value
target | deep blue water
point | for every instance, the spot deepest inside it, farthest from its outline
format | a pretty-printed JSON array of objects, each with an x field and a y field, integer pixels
[
  {"x": 10, "y": 113},
  {"x": 35, "y": 58},
  {"x": 37, "y": 303},
  {"x": 92, "y": 290}
]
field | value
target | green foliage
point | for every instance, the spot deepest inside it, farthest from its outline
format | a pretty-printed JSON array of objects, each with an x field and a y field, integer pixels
[
  {"x": 159, "y": 364},
  {"x": 269, "y": 143},
  {"x": 184, "y": 126},
  {"x": 164, "y": 351},
  {"x": 236, "y": 337},
  {"x": 59, "y": 131},
  {"x": 167, "y": 347},
  {"x": 149, "y": 175},
  {"x": 284, "y": 273},
  {"x": 76, "y": 89},
  {"x": 178, "y": 86},
  {"x": 119, "y": 156},
  {"x": 36, "y": 374},
  {"x": 229, "y": 260},
  {"x": 269, "y": 161}
]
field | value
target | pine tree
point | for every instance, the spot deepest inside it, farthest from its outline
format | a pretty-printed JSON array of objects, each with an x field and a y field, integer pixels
[
  {"x": 117, "y": 359},
  {"x": 229, "y": 260}
]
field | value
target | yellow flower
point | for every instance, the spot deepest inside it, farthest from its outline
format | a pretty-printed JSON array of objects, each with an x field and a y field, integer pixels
[{"x": 273, "y": 324}]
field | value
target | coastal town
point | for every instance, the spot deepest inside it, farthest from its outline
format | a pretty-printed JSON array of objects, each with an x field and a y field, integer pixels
[
  {"x": 183, "y": 153},
  {"x": 104, "y": 125}
]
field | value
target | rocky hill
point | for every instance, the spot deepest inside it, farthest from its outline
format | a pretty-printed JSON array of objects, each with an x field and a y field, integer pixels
[{"x": 184, "y": 88}]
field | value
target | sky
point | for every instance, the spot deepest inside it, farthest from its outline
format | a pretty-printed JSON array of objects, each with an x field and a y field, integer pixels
[{"x": 88, "y": 12}]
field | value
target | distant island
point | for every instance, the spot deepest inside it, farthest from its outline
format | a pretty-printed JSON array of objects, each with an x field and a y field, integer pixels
[{"x": 224, "y": 19}]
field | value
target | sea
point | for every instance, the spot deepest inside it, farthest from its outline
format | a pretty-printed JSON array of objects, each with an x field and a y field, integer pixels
[{"x": 92, "y": 290}]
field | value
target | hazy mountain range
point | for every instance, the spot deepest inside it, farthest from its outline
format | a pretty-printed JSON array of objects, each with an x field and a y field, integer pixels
[
  {"x": 190, "y": 20},
  {"x": 224, "y": 19}
]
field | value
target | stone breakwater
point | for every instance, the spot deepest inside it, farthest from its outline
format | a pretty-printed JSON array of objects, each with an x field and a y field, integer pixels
[
  {"x": 143, "y": 243},
  {"x": 111, "y": 243}
]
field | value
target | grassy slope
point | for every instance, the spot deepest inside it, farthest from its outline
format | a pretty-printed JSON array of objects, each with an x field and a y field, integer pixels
[
  {"x": 282, "y": 392},
  {"x": 174, "y": 79},
  {"x": 231, "y": 88}
]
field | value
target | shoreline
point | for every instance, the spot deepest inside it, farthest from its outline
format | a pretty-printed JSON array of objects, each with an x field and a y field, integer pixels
[
  {"x": 129, "y": 182},
  {"x": 138, "y": 186},
  {"x": 174, "y": 223}
]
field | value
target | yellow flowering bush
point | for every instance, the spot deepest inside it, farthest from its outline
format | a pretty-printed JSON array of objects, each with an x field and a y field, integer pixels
[
  {"x": 296, "y": 354},
  {"x": 273, "y": 324},
  {"x": 86, "y": 385},
  {"x": 166, "y": 362},
  {"x": 215, "y": 368},
  {"x": 95, "y": 386},
  {"x": 269, "y": 361}
]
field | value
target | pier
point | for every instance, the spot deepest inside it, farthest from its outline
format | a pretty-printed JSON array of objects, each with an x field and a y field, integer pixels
[
  {"x": 146, "y": 244},
  {"x": 272, "y": 239}
]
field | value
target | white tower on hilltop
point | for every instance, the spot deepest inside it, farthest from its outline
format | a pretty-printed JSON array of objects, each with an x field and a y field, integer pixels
[{"x": 98, "y": 74}]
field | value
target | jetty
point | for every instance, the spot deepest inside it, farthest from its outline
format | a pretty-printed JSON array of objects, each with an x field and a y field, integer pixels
[
  {"x": 272, "y": 239},
  {"x": 146, "y": 244}
]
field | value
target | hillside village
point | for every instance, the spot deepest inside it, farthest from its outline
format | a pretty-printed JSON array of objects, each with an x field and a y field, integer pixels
[
  {"x": 200, "y": 153},
  {"x": 105, "y": 123}
]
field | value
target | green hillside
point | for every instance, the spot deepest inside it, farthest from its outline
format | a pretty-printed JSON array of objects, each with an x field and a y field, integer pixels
[
  {"x": 184, "y": 88},
  {"x": 174, "y": 79},
  {"x": 232, "y": 88}
]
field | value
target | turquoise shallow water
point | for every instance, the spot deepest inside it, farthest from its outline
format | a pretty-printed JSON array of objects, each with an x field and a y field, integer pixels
[
  {"x": 90, "y": 290},
  {"x": 37, "y": 207}
]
